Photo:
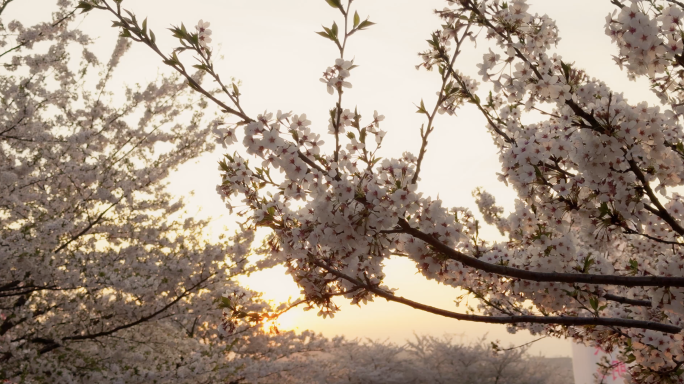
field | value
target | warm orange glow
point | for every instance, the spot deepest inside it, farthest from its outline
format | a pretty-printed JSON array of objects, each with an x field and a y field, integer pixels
[
  {"x": 385, "y": 53},
  {"x": 285, "y": 322}
]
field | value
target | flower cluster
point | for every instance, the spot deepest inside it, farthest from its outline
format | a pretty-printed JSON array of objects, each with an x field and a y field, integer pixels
[
  {"x": 595, "y": 209},
  {"x": 422, "y": 360},
  {"x": 104, "y": 277},
  {"x": 588, "y": 180},
  {"x": 649, "y": 39},
  {"x": 203, "y": 33},
  {"x": 335, "y": 77}
]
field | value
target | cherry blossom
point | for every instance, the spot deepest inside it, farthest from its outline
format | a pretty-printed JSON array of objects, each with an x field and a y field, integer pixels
[
  {"x": 105, "y": 278},
  {"x": 422, "y": 360},
  {"x": 593, "y": 249},
  {"x": 203, "y": 33}
]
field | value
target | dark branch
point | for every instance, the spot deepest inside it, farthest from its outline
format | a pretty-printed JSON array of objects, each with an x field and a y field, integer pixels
[
  {"x": 51, "y": 344},
  {"x": 624, "y": 300},
  {"x": 570, "y": 278},
  {"x": 553, "y": 320},
  {"x": 662, "y": 212}
]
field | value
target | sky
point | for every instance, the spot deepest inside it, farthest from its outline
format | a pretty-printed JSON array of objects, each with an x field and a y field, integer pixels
[{"x": 271, "y": 47}]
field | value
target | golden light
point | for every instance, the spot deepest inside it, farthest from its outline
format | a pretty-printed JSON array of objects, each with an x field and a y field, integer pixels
[{"x": 285, "y": 322}]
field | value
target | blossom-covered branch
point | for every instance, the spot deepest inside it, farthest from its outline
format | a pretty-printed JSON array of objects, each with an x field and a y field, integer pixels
[
  {"x": 561, "y": 320},
  {"x": 589, "y": 237}
]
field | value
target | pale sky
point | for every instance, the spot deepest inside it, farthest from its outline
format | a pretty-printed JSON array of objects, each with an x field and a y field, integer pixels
[{"x": 270, "y": 45}]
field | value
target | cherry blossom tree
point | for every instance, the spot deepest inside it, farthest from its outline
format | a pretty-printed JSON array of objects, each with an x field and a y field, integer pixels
[
  {"x": 104, "y": 278},
  {"x": 594, "y": 243},
  {"x": 425, "y": 360}
]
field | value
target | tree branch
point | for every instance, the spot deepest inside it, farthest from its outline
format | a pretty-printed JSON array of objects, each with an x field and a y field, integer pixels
[
  {"x": 445, "y": 77},
  {"x": 662, "y": 212},
  {"x": 88, "y": 227},
  {"x": 56, "y": 23},
  {"x": 593, "y": 123},
  {"x": 553, "y": 320},
  {"x": 51, "y": 344},
  {"x": 624, "y": 300},
  {"x": 196, "y": 86},
  {"x": 570, "y": 278}
]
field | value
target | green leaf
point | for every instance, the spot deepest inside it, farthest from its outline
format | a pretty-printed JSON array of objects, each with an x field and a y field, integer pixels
[
  {"x": 225, "y": 303},
  {"x": 235, "y": 89},
  {"x": 144, "y": 27},
  {"x": 334, "y": 30},
  {"x": 593, "y": 301},
  {"x": 357, "y": 19},
  {"x": 365, "y": 24},
  {"x": 538, "y": 173},
  {"x": 132, "y": 16},
  {"x": 588, "y": 262},
  {"x": 566, "y": 70},
  {"x": 224, "y": 166},
  {"x": 176, "y": 32},
  {"x": 421, "y": 109},
  {"x": 152, "y": 37},
  {"x": 633, "y": 266},
  {"x": 326, "y": 35},
  {"x": 84, "y": 6},
  {"x": 334, "y": 3}
]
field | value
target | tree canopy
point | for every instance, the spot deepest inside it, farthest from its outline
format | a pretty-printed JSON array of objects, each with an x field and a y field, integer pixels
[
  {"x": 593, "y": 245},
  {"x": 104, "y": 277}
]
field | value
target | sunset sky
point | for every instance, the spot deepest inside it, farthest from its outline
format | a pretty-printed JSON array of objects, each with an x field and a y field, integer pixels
[{"x": 270, "y": 46}]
